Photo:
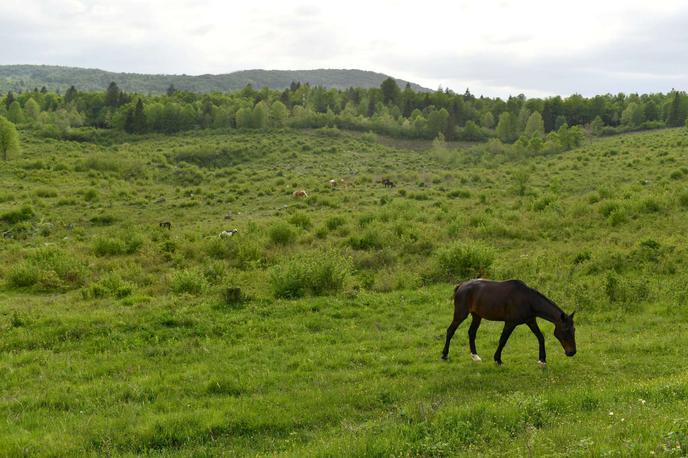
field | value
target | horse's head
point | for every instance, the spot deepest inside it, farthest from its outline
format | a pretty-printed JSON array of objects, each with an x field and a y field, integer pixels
[{"x": 565, "y": 331}]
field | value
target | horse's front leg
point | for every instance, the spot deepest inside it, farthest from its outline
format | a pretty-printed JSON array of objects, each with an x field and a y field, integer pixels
[
  {"x": 506, "y": 332},
  {"x": 542, "y": 360}
]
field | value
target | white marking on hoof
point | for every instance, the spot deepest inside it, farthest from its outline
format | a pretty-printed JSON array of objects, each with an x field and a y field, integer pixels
[
  {"x": 542, "y": 364},
  {"x": 475, "y": 358}
]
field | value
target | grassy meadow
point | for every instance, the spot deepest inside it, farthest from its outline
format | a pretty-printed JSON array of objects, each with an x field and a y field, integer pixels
[{"x": 116, "y": 337}]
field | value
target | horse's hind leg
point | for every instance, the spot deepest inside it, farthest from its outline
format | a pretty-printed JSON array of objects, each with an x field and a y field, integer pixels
[
  {"x": 460, "y": 314},
  {"x": 472, "y": 331},
  {"x": 450, "y": 333}
]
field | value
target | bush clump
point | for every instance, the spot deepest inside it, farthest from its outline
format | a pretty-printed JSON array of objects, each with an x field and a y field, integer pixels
[
  {"x": 112, "y": 285},
  {"x": 334, "y": 222},
  {"x": 103, "y": 220},
  {"x": 627, "y": 294},
  {"x": 47, "y": 269},
  {"x": 126, "y": 243},
  {"x": 462, "y": 260},
  {"x": 301, "y": 220},
  {"x": 317, "y": 274},
  {"x": 371, "y": 239},
  {"x": 17, "y": 216},
  {"x": 188, "y": 281},
  {"x": 282, "y": 234}
]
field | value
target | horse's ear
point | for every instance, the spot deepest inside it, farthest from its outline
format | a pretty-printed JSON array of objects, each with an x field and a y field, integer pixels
[{"x": 573, "y": 313}]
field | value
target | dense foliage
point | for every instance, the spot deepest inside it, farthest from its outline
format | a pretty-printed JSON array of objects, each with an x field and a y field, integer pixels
[{"x": 536, "y": 124}]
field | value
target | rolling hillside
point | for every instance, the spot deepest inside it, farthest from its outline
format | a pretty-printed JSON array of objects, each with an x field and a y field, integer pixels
[{"x": 26, "y": 77}]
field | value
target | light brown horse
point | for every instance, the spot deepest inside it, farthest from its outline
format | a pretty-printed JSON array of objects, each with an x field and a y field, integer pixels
[{"x": 513, "y": 302}]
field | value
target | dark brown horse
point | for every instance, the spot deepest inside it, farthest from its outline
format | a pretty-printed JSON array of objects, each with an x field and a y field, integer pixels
[{"x": 513, "y": 302}]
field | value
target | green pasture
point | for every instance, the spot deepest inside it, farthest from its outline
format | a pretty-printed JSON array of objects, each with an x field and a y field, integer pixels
[{"x": 116, "y": 337}]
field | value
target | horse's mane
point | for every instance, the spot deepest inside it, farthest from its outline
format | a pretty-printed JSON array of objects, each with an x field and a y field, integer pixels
[{"x": 545, "y": 298}]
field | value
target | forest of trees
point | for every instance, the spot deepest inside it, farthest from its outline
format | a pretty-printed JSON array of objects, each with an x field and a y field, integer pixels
[{"x": 541, "y": 124}]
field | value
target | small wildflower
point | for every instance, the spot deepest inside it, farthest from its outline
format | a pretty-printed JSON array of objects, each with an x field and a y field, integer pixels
[
  {"x": 642, "y": 401},
  {"x": 611, "y": 414}
]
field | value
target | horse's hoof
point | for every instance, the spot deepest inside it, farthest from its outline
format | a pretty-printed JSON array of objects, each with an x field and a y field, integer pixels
[
  {"x": 542, "y": 364},
  {"x": 444, "y": 357},
  {"x": 475, "y": 358},
  {"x": 499, "y": 363}
]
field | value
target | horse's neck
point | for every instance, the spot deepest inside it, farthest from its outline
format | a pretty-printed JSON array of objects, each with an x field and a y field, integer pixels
[{"x": 548, "y": 311}]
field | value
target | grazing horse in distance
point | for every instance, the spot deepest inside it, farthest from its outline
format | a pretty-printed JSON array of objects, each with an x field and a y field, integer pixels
[
  {"x": 166, "y": 225},
  {"x": 301, "y": 194},
  {"x": 388, "y": 183},
  {"x": 513, "y": 302},
  {"x": 228, "y": 233}
]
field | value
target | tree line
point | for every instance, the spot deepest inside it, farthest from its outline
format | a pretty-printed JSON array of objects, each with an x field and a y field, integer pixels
[{"x": 388, "y": 110}]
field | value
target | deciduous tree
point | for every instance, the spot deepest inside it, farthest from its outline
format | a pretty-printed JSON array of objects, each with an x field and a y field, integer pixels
[
  {"x": 9, "y": 139},
  {"x": 535, "y": 125}
]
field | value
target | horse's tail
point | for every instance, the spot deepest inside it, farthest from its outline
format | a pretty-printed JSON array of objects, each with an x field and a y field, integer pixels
[{"x": 456, "y": 288}]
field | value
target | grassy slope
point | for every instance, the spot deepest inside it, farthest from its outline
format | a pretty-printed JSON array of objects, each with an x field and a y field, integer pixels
[
  {"x": 27, "y": 77},
  {"x": 357, "y": 373}
]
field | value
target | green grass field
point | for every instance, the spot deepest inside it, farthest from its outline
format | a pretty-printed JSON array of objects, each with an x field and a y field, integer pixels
[{"x": 116, "y": 338}]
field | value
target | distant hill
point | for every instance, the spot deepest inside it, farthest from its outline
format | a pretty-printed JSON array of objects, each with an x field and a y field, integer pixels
[{"x": 27, "y": 77}]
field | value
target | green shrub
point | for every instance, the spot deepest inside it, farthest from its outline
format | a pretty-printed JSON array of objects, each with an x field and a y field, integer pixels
[
  {"x": 46, "y": 192},
  {"x": 101, "y": 163},
  {"x": 315, "y": 274},
  {"x": 225, "y": 387},
  {"x": 371, "y": 239},
  {"x": 459, "y": 194},
  {"x": 543, "y": 202},
  {"x": 47, "y": 269},
  {"x": 282, "y": 234},
  {"x": 650, "y": 205},
  {"x": 369, "y": 137},
  {"x": 108, "y": 246},
  {"x": 683, "y": 199},
  {"x": 16, "y": 216},
  {"x": 608, "y": 207},
  {"x": 110, "y": 285},
  {"x": 125, "y": 243},
  {"x": 628, "y": 294},
  {"x": 91, "y": 195},
  {"x": 189, "y": 281},
  {"x": 103, "y": 220},
  {"x": 300, "y": 220},
  {"x": 23, "y": 275},
  {"x": 461, "y": 260},
  {"x": 332, "y": 132},
  {"x": 336, "y": 221},
  {"x": 617, "y": 217},
  {"x": 250, "y": 253},
  {"x": 218, "y": 248}
]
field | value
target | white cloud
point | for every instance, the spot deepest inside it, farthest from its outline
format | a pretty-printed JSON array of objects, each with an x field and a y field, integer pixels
[{"x": 495, "y": 47}]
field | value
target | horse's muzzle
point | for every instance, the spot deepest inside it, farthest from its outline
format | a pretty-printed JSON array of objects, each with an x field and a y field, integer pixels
[{"x": 570, "y": 352}]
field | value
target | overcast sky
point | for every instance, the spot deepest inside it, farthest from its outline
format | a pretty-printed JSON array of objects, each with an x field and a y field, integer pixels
[{"x": 493, "y": 47}]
